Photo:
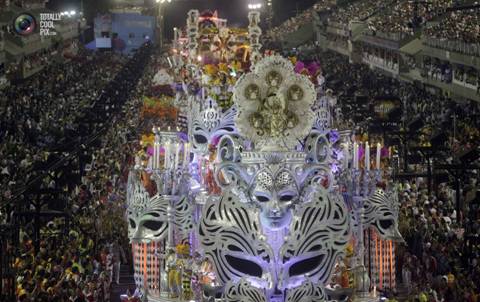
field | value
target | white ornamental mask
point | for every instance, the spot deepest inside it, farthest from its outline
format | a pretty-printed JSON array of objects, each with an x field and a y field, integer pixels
[
  {"x": 232, "y": 237},
  {"x": 148, "y": 217},
  {"x": 275, "y": 194},
  {"x": 208, "y": 123}
]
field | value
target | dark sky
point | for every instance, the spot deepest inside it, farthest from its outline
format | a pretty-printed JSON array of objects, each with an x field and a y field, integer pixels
[{"x": 234, "y": 10}]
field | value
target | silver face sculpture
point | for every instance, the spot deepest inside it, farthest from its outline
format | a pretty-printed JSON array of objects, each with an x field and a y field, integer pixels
[{"x": 274, "y": 192}]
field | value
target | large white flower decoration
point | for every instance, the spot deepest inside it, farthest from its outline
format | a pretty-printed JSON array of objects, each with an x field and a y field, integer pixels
[{"x": 274, "y": 105}]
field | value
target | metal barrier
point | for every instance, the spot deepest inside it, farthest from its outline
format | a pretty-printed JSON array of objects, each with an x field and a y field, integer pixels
[{"x": 472, "y": 49}]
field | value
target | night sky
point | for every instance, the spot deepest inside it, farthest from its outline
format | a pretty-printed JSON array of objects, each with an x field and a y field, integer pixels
[{"x": 234, "y": 10}]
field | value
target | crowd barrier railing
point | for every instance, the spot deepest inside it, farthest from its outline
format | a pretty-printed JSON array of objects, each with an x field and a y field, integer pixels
[{"x": 453, "y": 45}]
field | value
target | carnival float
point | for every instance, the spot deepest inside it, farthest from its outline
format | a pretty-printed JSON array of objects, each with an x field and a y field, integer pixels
[{"x": 244, "y": 190}]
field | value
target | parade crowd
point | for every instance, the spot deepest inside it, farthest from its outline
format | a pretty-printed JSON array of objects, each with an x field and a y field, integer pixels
[
  {"x": 357, "y": 11},
  {"x": 291, "y": 25},
  {"x": 79, "y": 259},
  {"x": 458, "y": 25},
  {"x": 398, "y": 20},
  {"x": 45, "y": 114}
]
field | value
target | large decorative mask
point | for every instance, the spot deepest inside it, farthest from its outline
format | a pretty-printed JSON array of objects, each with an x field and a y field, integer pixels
[
  {"x": 273, "y": 181},
  {"x": 231, "y": 235},
  {"x": 210, "y": 122},
  {"x": 381, "y": 213},
  {"x": 274, "y": 105},
  {"x": 148, "y": 217},
  {"x": 271, "y": 190}
]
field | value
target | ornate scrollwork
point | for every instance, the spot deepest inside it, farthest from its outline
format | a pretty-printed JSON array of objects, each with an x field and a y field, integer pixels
[
  {"x": 229, "y": 148},
  {"x": 318, "y": 174},
  {"x": 243, "y": 291},
  {"x": 318, "y": 148},
  {"x": 307, "y": 292},
  {"x": 319, "y": 234},
  {"x": 183, "y": 217},
  {"x": 230, "y": 234},
  {"x": 232, "y": 176},
  {"x": 232, "y": 237},
  {"x": 229, "y": 173}
]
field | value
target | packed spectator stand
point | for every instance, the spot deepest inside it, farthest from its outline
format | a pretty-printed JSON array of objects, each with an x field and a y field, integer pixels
[
  {"x": 74, "y": 251},
  {"x": 436, "y": 140}
]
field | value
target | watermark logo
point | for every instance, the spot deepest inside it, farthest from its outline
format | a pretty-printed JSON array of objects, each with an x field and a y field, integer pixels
[
  {"x": 47, "y": 23},
  {"x": 24, "y": 24}
]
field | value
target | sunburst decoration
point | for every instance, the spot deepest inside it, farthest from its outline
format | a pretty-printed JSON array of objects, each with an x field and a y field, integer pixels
[{"x": 274, "y": 105}]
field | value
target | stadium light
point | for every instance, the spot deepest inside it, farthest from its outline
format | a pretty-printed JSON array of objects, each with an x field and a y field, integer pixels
[
  {"x": 67, "y": 13},
  {"x": 253, "y": 6}
]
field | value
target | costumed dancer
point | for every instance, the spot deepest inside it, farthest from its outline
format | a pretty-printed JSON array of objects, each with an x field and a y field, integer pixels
[
  {"x": 173, "y": 274},
  {"x": 185, "y": 262},
  {"x": 196, "y": 285}
]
